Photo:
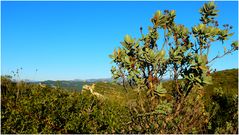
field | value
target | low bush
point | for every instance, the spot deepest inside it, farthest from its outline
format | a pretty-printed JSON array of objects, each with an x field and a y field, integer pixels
[{"x": 28, "y": 108}]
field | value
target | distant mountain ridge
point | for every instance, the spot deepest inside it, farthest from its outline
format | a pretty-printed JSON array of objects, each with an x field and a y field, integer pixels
[
  {"x": 99, "y": 80},
  {"x": 71, "y": 85},
  {"x": 82, "y": 80}
]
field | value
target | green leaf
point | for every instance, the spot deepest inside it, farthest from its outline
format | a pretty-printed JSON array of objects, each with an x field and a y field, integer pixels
[
  {"x": 160, "y": 89},
  {"x": 199, "y": 80},
  {"x": 207, "y": 79},
  {"x": 164, "y": 107},
  {"x": 235, "y": 45},
  {"x": 128, "y": 39},
  {"x": 158, "y": 13},
  {"x": 162, "y": 53},
  {"x": 111, "y": 56},
  {"x": 191, "y": 76},
  {"x": 231, "y": 34},
  {"x": 127, "y": 59}
]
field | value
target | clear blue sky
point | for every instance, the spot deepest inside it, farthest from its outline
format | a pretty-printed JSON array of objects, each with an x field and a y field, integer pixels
[{"x": 72, "y": 40}]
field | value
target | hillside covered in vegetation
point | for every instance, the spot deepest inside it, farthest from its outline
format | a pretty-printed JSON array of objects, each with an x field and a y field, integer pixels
[{"x": 31, "y": 108}]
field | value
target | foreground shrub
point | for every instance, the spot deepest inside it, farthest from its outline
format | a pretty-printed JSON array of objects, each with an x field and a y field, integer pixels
[
  {"x": 171, "y": 117},
  {"x": 143, "y": 63},
  {"x": 47, "y": 110}
]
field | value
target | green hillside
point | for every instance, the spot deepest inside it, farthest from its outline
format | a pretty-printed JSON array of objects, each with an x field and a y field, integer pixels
[
  {"x": 69, "y": 85},
  {"x": 32, "y": 109},
  {"x": 226, "y": 79}
]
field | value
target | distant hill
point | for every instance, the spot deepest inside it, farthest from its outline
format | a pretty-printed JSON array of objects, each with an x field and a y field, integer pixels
[
  {"x": 72, "y": 85},
  {"x": 99, "y": 80}
]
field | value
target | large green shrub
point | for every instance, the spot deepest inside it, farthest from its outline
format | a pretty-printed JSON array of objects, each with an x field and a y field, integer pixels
[{"x": 143, "y": 63}]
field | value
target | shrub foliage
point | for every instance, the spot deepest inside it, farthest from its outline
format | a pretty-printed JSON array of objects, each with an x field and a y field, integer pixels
[{"x": 184, "y": 53}]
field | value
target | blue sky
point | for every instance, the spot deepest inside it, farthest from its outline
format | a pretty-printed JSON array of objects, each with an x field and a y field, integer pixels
[{"x": 72, "y": 40}]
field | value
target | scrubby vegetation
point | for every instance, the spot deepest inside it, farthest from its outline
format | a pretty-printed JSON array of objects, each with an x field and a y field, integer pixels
[
  {"x": 222, "y": 102},
  {"x": 195, "y": 100},
  {"x": 30, "y": 108}
]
